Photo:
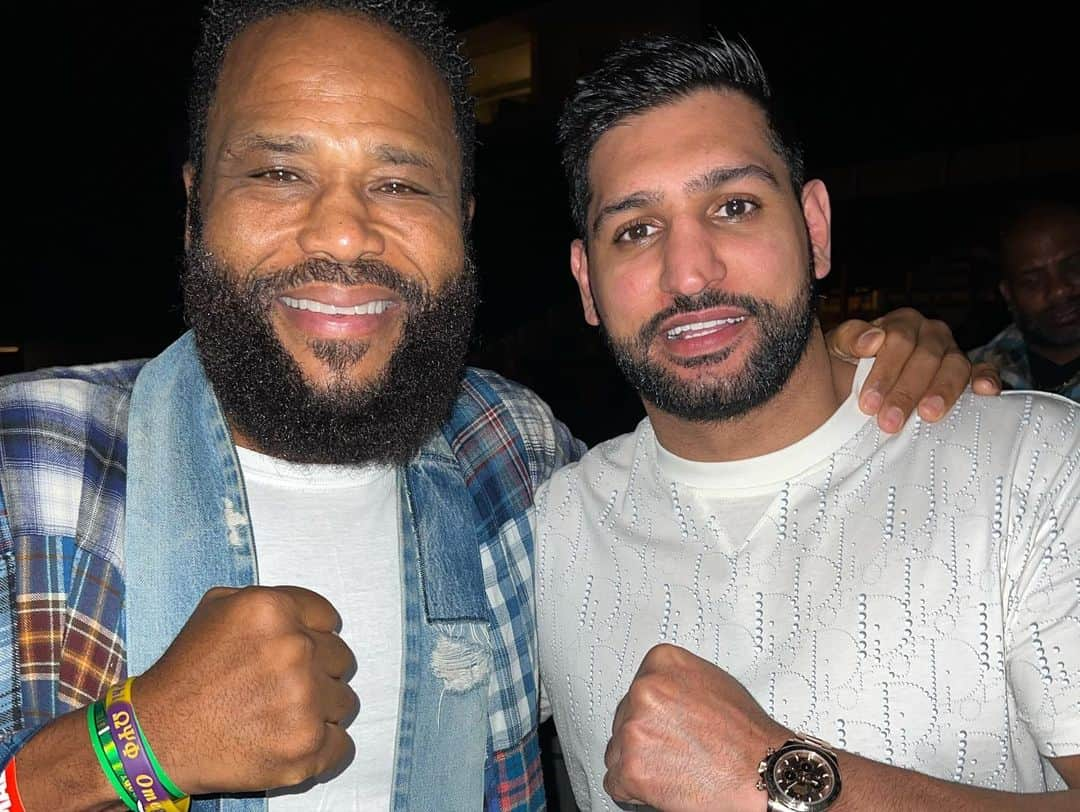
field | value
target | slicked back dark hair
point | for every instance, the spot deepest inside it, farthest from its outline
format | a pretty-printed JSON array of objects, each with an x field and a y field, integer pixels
[
  {"x": 415, "y": 20},
  {"x": 646, "y": 73}
]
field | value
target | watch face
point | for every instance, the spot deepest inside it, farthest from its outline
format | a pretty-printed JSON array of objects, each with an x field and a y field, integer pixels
[{"x": 803, "y": 779}]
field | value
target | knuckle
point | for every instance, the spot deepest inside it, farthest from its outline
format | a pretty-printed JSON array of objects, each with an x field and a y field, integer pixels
[
  {"x": 217, "y": 592},
  {"x": 634, "y": 773},
  {"x": 901, "y": 341},
  {"x": 663, "y": 654},
  {"x": 291, "y": 656},
  {"x": 294, "y": 709},
  {"x": 937, "y": 326},
  {"x": 259, "y": 605},
  {"x": 298, "y": 749},
  {"x": 647, "y": 691},
  {"x": 925, "y": 356},
  {"x": 611, "y": 784},
  {"x": 634, "y": 739}
]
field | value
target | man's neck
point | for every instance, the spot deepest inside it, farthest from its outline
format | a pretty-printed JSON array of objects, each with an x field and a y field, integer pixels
[{"x": 815, "y": 390}]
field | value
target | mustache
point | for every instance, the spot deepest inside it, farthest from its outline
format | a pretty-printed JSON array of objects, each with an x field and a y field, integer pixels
[
  {"x": 708, "y": 298},
  {"x": 264, "y": 288}
]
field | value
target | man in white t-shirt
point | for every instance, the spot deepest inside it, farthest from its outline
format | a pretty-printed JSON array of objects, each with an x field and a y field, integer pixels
[{"x": 758, "y": 599}]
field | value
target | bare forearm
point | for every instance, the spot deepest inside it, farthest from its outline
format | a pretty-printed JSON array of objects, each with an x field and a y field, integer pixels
[
  {"x": 58, "y": 770},
  {"x": 872, "y": 785}
]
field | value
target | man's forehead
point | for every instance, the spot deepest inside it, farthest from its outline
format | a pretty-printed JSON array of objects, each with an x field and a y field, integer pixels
[
  {"x": 1041, "y": 241},
  {"x": 330, "y": 56},
  {"x": 675, "y": 143}
]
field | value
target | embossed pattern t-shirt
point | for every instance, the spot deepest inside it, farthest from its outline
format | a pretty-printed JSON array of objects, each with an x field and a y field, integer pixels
[{"x": 913, "y": 599}]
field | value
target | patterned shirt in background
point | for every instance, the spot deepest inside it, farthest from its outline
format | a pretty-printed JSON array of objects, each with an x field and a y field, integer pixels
[{"x": 1008, "y": 352}]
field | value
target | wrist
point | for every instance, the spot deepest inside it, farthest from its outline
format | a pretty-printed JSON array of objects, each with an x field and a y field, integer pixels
[
  {"x": 802, "y": 774},
  {"x": 125, "y": 756}
]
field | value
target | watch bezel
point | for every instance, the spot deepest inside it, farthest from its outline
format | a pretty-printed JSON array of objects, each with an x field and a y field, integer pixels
[{"x": 778, "y": 797}]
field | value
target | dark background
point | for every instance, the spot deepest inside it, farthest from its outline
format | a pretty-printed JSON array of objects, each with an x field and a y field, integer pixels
[{"x": 928, "y": 125}]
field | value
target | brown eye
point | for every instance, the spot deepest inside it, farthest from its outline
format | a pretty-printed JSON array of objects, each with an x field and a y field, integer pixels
[
  {"x": 737, "y": 208},
  {"x": 278, "y": 175},
  {"x": 397, "y": 188},
  {"x": 635, "y": 232}
]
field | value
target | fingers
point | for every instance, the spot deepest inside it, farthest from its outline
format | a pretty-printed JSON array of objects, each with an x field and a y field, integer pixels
[
  {"x": 915, "y": 367},
  {"x": 854, "y": 339},
  {"x": 336, "y": 751},
  {"x": 985, "y": 379},
  {"x": 337, "y": 701},
  {"x": 333, "y": 656},
  {"x": 613, "y": 786},
  {"x": 315, "y": 611},
  {"x": 923, "y": 377},
  {"x": 946, "y": 387},
  {"x": 616, "y": 783}
]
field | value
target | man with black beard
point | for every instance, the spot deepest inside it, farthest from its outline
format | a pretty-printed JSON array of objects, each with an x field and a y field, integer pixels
[
  {"x": 385, "y": 419},
  {"x": 758, "y": 599},
  {"x": 316, "y": 428}
]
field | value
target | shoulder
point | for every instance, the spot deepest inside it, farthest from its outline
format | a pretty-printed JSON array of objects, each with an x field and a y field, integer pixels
[
  {"x": 606, "y": 468},
  {"x": 494, "y": 417},
  {"x": 67, "y": 401},
  {"x": 71, "y": 386},
  {"x": 64, "y": 441}
]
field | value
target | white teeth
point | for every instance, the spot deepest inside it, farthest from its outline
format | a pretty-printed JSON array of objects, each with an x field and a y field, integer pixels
[
  {"x": 368, "y": 309},
  {"x": 696, "y": 326}
]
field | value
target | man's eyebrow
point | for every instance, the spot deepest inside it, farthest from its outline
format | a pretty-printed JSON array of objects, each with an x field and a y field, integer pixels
[
  {"x": 634, "y": 200},
  {"x": 1044, "y": 265},
  {"x": 708, "y": 181},
  {"x": 300, "y": 144},
  {"x": 257, "y": 142},
  {"x": 715, "y": 178},
  {"x": 392, "y": 154}
]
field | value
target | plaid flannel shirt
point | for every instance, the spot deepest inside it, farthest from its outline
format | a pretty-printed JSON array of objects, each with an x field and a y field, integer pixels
[
  {"x": 1008, "y": 352},
  {"x": 62, "y": 498}
]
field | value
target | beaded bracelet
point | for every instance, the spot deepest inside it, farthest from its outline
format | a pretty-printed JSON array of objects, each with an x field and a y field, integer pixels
[{"x": 152, "y": 790}]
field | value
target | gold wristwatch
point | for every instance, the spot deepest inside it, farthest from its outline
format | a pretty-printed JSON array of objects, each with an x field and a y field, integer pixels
[{"x": 801, "y": 775}]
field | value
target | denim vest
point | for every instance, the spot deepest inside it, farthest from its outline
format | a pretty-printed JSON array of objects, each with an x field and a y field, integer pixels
[{"x": 186, "y": 506}]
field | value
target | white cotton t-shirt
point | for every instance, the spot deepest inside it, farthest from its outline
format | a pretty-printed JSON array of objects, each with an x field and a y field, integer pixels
[
  {"x": 334, "y": 529},
  {"x": 913, "y": 599}
]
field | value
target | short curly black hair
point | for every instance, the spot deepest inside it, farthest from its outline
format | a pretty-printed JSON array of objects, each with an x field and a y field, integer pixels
[
  {"x": 652, "y": 71},
  {"x": 417, "y": 21}
]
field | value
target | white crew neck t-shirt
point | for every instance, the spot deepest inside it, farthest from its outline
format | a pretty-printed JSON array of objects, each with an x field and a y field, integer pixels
[
  {"x": 334, "y": 529},
  {"x": 913, "y": 599}
]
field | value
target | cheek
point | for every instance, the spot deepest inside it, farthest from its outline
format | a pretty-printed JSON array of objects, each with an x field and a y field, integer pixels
[
  {"x": 247, "y": 233},
  {"x": 1029, "y": 300},
  {"x": 433, "y": 248},
  {"x": 629, "y": 295},
  {"x": 775, "y": 262}
]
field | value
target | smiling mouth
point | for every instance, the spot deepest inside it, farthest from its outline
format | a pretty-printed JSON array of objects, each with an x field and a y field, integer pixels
[
  {"x": 372, "y": 308},
  {"x": 700, "y": 328}
]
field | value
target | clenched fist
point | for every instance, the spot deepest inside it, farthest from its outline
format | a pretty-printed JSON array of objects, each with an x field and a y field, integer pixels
[
  {"x": 252, "y": 694},
  {"x": 687, "y": 736}
]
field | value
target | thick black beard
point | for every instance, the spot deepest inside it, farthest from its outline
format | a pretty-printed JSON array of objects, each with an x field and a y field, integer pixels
[
  {"x": 264, "y": 394},
  {"x": 785, "y": 335}
]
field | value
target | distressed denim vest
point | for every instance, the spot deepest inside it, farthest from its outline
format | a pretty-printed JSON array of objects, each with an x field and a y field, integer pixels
[{"x": 187, "y": 529}]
